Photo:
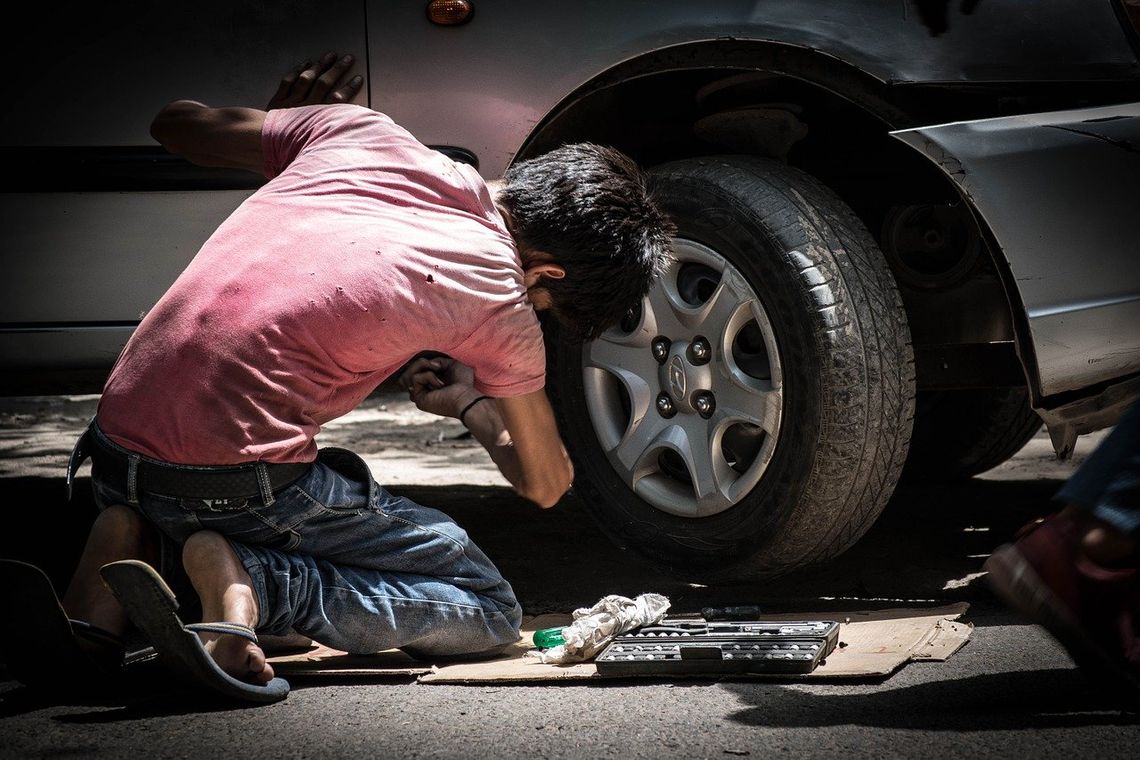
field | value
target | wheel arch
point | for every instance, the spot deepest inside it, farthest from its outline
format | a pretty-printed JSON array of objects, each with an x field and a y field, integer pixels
[
  {"x": 813, "y": 67},
  {"x": 649, "y": 106}
]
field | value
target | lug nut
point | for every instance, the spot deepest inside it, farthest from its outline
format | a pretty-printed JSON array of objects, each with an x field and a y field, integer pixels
[
  {"x": 704, "y": 403},
  {"x": 700, "y": 352},
  {"x": 661, "y": 346},
  {"x": 665, "y": 406}
]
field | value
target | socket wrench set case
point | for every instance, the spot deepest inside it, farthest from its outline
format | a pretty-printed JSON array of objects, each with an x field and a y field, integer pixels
[{"x": 696, "y": 647}]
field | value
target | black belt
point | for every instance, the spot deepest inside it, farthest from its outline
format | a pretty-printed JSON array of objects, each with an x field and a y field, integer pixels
[{"x": 183, "y": 481}]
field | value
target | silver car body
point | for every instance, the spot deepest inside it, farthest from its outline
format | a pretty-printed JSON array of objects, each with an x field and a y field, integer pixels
[{"x": 1034, "y": 179}]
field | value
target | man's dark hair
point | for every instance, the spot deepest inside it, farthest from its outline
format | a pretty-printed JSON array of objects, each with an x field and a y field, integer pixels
[{"x": 591, "y": 208}]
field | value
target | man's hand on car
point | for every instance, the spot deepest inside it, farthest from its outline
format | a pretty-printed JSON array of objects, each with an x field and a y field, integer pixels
[{"x": 314, "y": 83}]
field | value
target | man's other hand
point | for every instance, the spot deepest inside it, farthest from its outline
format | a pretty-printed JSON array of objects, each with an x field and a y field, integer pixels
[
  {"x": 314, "y": 83},
  {"x": 440, "y": 386}
]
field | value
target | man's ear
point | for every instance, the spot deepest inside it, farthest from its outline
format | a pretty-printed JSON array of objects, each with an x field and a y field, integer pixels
[{"x": 533, "y": 272}]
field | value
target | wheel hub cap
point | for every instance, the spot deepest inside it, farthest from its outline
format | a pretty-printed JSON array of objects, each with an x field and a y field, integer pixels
[{"x": 687, "y": 402}]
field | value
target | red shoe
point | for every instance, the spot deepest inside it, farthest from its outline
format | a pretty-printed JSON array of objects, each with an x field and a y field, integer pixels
[{"x": 1092, "y": 610}]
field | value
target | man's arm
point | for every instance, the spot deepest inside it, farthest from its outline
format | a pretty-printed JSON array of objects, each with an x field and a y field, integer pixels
[
  {"x": 223, "y": 137},
  {"x": 518, "y": 432},
  {"x": 522, "y": 438},
  {"x": 230, "y": 137}
]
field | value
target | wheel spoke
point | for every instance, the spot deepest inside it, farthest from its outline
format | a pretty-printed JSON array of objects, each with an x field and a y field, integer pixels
[
  {"x": 606, "y": 409},
  {"x": 706, "y": 467},
  {"x": 745, "y": 401},
  {"x": 633, "y": 454},
  {"x": 722, "y": 315},
  {"x": 621, "y": 358},
  {"x": 662, "y": 302},
  {"x": 715, "y": 314}
]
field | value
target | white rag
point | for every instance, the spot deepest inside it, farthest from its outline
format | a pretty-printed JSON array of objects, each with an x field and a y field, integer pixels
[{"x": 596, "y": 626}]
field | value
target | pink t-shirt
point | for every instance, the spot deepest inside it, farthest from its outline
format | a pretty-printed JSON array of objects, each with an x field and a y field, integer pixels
[{"x": 363, "y": 249}]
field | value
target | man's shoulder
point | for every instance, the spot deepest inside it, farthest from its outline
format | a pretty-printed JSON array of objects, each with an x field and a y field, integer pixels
[{"x": 289, "y": 133}]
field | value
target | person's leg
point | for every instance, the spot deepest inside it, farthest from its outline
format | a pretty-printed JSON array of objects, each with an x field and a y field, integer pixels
[
  {"x": 339, "y": 559},
  {"x": 117, "y": 533},
  {"x": 363, "y": 610},
  {"x": 226, "y": 592},
  {"x": 1077, "y": 572},
  {"x": 1106, "y": 489},
  {"x": 336, "y": 558},
  {"x": 410, "y": 568}
]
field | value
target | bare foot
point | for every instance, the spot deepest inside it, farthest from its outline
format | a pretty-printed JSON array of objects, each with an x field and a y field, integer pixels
[
  {"x": 118, "y": 533},
  {"x": 239, "y": 657},
  {"x": 227, "y": 595}
]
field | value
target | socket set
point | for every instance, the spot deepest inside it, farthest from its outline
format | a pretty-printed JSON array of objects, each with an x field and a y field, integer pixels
[{"x": 695, "y": 647}]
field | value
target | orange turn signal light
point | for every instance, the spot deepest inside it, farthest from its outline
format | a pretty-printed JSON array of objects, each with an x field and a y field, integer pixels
[{"x": 450, "y": 12}]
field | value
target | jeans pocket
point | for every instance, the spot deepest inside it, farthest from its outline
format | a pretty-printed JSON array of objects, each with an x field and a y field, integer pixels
[
  {"x": 249, "y": 523},
  {"x": 340, "y": 481},
  {"x": 106, "y": 494}
]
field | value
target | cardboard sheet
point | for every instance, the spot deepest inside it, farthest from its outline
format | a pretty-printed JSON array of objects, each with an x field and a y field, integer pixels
[
  {"x": 872, "y": 644},
  {"x": 323, "y": 661}
]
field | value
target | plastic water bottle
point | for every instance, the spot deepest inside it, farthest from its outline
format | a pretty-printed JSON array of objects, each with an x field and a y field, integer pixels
[{"x": 547, "y": 638}]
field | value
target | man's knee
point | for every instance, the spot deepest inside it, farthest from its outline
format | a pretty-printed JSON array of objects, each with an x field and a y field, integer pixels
[
  {"x": 501, "y": 628},
  {"x": 486, "y": 639}
]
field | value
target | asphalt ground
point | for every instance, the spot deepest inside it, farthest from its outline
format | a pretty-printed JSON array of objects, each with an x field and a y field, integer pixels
[{"x": 1011, "y": 692}]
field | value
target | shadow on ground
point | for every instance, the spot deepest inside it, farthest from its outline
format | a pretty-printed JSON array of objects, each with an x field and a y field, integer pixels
[
  {"x": 1004, "y": 701},
  {"x": 928, "y": 547}
]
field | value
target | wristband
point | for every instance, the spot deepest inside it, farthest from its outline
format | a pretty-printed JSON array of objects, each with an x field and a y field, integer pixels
[{"x": 467, "y": 409}]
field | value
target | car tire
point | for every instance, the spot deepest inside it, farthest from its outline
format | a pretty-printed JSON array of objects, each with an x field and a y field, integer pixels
[
  {"x": 961, "y": 433},
  {"x": 840, "y": 370}
]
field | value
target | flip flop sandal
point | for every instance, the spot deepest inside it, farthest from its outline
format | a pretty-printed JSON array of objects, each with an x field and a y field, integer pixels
[
  {"x": 34, "y": 623},
  {"x": 151, "y": 606}
]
